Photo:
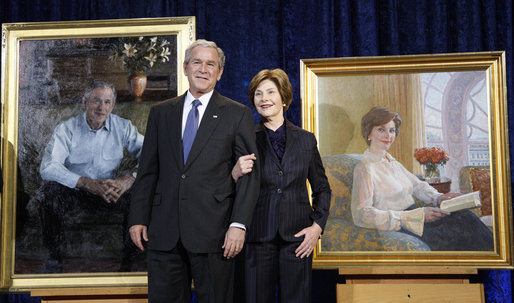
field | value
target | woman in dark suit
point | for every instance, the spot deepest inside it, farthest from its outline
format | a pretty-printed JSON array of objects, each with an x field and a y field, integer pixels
[{"x": 285, "y": 227}]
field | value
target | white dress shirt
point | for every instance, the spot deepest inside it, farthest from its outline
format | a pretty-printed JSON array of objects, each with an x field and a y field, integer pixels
[{"x": 188, "y": 104}]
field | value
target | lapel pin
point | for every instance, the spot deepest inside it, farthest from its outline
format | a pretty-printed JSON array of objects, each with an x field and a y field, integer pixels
[{"x": 215, "y": 116}]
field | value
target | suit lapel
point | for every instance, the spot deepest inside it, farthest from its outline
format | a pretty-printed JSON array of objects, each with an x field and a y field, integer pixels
[
  {"x": 263, "y": 141},
  {"x": 210, "y": 119},
  {"x": 174, "y": 121}
]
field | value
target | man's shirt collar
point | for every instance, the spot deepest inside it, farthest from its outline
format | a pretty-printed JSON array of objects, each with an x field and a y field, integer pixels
[
  {"x": 204, "y": 99},
  {"x": 107, "y": 125}
]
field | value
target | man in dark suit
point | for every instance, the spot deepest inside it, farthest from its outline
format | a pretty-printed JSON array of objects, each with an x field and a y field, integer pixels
[{"x": 185, "y": 204}]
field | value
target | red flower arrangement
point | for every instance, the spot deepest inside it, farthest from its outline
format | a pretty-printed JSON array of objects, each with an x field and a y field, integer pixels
[
  {"x": 434, "y": 155},
  {"x": 430, "y": 157}
]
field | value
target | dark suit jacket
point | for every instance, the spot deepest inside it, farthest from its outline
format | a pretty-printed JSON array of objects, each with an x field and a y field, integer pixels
[
  {"x": 283, "y": 204},
  {"x": 196, "y": 201}
]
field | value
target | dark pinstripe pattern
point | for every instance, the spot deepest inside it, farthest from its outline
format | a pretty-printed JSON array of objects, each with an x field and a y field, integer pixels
[
  {"x": 283, "y": 210},
  {"x": 275, "y": 262}
]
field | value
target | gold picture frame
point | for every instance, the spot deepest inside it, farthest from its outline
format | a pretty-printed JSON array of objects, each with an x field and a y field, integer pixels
[
  {"x": 67, "y": 54},
  {"x": 430, "y": 93}
]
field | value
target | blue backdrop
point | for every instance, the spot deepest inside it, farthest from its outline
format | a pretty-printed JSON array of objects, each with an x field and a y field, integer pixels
[{"x": 257, "y": 34}]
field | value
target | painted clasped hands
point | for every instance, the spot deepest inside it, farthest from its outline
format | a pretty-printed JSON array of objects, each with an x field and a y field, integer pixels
[{"x": 110, "y": 189}]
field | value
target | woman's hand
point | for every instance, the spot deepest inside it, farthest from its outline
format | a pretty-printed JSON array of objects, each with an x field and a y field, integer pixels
[
  {"x": 447, "y": 196},
  {"x": 311, "y": 235},
  {"x": 243, "y": 166},
  {"x": 433, "y": 214}
]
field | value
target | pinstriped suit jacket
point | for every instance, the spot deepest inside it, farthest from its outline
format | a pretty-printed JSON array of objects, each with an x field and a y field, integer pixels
[{"x": 283, "y": 204}]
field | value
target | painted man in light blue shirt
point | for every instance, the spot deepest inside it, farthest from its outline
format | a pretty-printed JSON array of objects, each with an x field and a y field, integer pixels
[{"x": 80, "y": 164}]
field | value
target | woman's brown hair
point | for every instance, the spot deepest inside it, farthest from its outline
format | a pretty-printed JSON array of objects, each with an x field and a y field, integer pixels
[
  {"x": 379, "y": 115},
  {"x": 281, "y": 80}
]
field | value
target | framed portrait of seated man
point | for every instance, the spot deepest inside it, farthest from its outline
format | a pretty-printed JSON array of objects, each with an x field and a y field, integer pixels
[
  {"x": 416, "y": 150},
  {"x": 75, "y": 101}
]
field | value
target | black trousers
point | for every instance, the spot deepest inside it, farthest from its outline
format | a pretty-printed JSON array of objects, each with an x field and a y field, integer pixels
[
  {"x": 170, "y": 274},
  {"x": 58, "y": 202},
  {"x": 274, "y": 263}
]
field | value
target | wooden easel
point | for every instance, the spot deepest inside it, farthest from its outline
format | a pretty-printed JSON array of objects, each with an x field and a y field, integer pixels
[
  {"x": 95, "y": 295},
  {"x": 412, "y": 284},
  {"x": 363, "y": 285}
]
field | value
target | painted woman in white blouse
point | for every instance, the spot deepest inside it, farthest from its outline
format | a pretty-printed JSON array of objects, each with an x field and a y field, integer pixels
[{"x": 383, "y": 189}]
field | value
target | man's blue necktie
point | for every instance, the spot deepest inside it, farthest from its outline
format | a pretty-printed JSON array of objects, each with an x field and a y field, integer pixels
[{"x": 190, "y": 129}]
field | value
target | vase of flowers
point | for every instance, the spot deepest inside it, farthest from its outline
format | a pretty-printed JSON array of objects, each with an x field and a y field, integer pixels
[
  {"x": 138, "y": 55},
  {"x": 137, "y": 84},
  {"x": 431, "y": 158}
]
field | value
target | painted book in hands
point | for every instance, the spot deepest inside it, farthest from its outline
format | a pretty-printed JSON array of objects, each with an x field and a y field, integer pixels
[{"x": 465, "y": 201}]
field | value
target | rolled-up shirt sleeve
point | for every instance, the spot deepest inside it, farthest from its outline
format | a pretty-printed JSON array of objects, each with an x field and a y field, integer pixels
[
  {"x": 133, "y": 140},
  {"x": 56, "y": 152}
]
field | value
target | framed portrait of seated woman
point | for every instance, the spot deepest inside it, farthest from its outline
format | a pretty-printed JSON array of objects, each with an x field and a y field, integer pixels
[{"x": 416, "y": 150}]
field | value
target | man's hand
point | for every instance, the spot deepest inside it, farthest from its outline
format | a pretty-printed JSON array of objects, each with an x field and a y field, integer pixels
[
  {"x": 311, "y": 234},
  {"x": 243, "y": 166},
  {"x": 97, "y": 187},
  {"x": 234, "y": 241},
  {"x": 118, "y": 187},
  {"x": 433, "y": 214},
  {"x": 138, "y": 232}
]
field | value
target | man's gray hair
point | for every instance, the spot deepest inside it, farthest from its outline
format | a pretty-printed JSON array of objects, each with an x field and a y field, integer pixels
[
  {"x": 99, "y": 84},
  {"x": 205, "y": 43}
]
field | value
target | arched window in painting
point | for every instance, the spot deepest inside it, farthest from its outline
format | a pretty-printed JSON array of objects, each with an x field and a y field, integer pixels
[{"x": 456, "y": 118}]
